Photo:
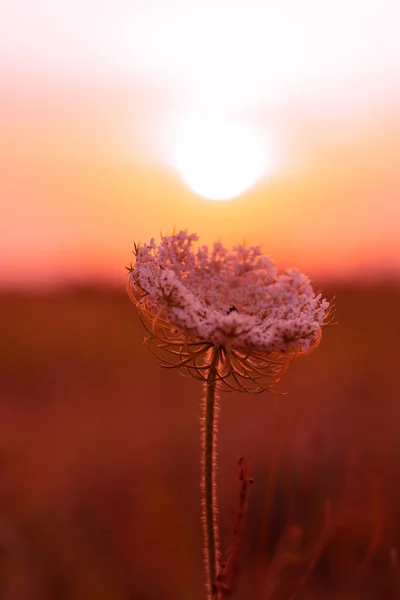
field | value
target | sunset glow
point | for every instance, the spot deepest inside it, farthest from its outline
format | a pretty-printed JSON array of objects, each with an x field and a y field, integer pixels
[
  {"x": 120, "y": 118},
  {"x": 220, "y": 161}
]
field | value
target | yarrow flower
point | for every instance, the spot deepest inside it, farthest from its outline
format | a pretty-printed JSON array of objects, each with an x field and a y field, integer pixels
[{"x": 229, "y": 310}]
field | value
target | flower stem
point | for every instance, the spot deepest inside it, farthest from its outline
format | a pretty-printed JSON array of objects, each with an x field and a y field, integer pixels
[{"x": 208, "y": 468}]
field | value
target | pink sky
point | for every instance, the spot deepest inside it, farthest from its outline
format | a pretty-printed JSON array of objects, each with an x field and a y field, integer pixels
[{"x": 91, "y": 95}]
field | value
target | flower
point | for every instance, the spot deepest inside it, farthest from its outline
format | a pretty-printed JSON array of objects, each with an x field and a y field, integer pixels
[{"x": 229, "y": 309}]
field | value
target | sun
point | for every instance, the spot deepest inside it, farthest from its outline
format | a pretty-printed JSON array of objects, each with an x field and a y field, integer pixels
[{"x": 220, "y": 161}]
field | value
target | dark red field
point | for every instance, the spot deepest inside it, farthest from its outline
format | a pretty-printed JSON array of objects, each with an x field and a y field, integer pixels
[{"x": 99, "y": 449}]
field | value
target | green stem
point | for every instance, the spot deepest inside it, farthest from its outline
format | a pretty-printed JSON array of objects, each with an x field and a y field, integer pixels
[{"x": 209, "y": 464}]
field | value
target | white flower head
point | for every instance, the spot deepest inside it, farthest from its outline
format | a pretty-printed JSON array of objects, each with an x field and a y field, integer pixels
[{"x": 193, "y": 299}]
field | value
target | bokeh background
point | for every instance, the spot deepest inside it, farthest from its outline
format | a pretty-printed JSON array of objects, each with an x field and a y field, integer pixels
[{"x": 99, "y": 447}]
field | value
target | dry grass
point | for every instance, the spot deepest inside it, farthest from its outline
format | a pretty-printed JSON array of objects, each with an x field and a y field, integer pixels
[{"x": 99, "y": 449}]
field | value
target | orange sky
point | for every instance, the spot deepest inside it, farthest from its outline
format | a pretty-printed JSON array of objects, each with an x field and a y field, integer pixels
[{"x": 90, "y": 99}]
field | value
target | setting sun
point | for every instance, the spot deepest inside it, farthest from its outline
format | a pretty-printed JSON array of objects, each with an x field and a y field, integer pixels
[{"x": 220, "y": 160}]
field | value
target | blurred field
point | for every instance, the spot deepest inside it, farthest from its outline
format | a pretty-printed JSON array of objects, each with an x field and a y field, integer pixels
[{"x": 99, "y": 450}]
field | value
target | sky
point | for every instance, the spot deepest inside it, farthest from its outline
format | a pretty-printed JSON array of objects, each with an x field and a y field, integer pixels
[{"x": 99, "y": 99}]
